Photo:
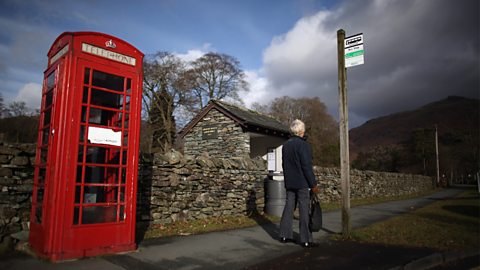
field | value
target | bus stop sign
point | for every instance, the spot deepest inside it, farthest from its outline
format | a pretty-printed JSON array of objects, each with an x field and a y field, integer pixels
[{"x": 354, "y": 50}]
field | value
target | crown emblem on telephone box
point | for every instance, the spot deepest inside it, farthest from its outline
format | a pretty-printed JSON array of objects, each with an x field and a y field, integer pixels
[{"x": 110, "y": 44}]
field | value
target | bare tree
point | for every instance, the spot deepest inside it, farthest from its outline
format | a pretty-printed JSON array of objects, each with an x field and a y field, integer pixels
[
  {"x": 163, "y": 92},
  {"x": 216, "y": 76},
  {"x": 261, "y": 108},
  {"x": 322, "y": 129},
  {"x": 17, "y": 108},
  {"x": 2, "y": 106}
]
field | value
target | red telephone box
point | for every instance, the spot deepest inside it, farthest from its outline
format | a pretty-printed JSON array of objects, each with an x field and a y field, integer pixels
[{"x": 84, "y": 193}]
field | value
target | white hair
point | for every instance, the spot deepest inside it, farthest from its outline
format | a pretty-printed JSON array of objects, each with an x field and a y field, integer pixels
[{"x": 297, "y": 127}]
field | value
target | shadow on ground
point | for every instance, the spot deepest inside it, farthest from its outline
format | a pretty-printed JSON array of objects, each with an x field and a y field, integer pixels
[
  {"x": 466, "y": 210},
  {"x": 353, "y": 255}
]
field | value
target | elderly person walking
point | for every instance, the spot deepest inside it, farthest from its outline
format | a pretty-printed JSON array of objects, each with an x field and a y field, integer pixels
[{"x": 299, "y": 179}]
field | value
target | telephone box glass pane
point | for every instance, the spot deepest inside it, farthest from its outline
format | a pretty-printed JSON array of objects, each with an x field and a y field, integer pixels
[
  {"x": 76, "y": 215},
  {"x": 99, "y": 214},
  {"x": 48, "y": 99},
  {"x": 125, "y": 138},
  {"x": 80, "y": 153},
  {"x": 106, "y": 99},
  {"x": 86, "y": 77},
  {"x": 101, "y": 155},
  {"x": 124, "y": 175},
  {"x": 127, "y": 116},
  {"x": 108, "y": 81},
  {"x": 85, "y": 95},
  {"x": 41, "y": 177},
  {"x": 43, "y": 155},
  {"x": 45, "y": 133},
  {"x": 122, "y": 212},
  {"x": 129, "y": 85},
  {"x": 51, "y": 81},
  {"x": 39, "y": 204},
  {"x": 82, "y": 134},
  {"x": 79, "y": 173},
  {"x": 122, "y": 194},
  {"x": 97, "y": 194},
  {"x": 102, "y": 117},
  {"x": 124, "y": 157},
  {"x": 101, "y": 174},
  {"x": 127, "y": 103},
  {"x": 84, "y": 114},
  {"x": 46, "y": 117}
]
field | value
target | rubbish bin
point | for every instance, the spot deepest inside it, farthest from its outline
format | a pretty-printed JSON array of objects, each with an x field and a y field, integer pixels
[{"x": 275, "y": 194}]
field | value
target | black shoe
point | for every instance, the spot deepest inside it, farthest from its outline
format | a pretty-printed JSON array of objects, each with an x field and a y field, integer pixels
[
  {"x": 309, "y": 244},
  {"x": 285, "y": 240}
]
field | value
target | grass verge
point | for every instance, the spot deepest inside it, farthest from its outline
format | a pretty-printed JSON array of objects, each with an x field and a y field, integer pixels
[
  {"x": 236, "y": 222},
  {"x": 208, "y": 225},
  {"x": 366, "y": 201},
  {"x": 450, "y": 224}
]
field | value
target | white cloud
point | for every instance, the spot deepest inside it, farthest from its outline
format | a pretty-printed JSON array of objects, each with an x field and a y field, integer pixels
[
  {"x": 307, "y": 46},
  {"x": 301, "y": 63},
  {"x": 258, "y": 88},
  {"x": 194, "y": 54},
  {"x": 31, "y": 94},
  {"x": 295, "y": 62}
]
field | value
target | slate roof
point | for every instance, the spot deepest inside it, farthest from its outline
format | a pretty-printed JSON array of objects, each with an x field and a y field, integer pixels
[{"x": 249, "y": 119}]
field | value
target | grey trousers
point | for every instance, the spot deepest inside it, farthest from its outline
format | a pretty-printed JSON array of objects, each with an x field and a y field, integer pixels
[{"x": 302, "y": 197}]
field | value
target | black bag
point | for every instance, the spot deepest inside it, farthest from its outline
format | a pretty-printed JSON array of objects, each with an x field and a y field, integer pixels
[{"x": 315, "y": 223}]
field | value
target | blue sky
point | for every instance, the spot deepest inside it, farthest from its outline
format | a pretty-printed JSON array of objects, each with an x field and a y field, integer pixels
[{"x": 416, "y": 51}]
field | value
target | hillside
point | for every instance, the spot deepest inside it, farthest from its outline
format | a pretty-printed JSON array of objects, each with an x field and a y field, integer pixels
[{"x": 456, "y": 118}]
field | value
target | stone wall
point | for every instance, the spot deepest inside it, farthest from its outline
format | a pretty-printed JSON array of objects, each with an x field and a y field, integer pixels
[
  {"x": 369, "y": 184},
  {"x": 174, "y": 188},
  {"x": 226, "y": 139},
  {"x": 16, "y": 182}
]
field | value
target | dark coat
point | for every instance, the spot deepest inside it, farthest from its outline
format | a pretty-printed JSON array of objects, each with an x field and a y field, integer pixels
[{"x": 297, "y": 164}]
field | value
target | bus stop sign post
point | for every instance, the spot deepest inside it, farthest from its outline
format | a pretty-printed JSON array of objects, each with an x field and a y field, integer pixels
[{"x": 350, "y": 53}]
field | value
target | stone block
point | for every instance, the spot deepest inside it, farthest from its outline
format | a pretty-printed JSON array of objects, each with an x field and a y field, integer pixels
[
  {"x": 5, "y": 172},
  {"x": 173, "y": 157},
  {"x": 182, "y": 171},
  {"x": 174, "y": 180},
  {"x": 25, "y": 188},
  {"x": 6, "y": 150},
  {"x": 20, "y": 161},
  {"x": 5, "y": 159},
  {"x": 204, "y": 162},
  {"x": 6, "y": 212},
  {"x": 20, "y": 236},
  {"x": 6, "y": 244}
]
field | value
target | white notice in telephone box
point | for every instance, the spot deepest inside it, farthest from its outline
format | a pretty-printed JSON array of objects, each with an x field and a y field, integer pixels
[{"x": 104, "y": 136}]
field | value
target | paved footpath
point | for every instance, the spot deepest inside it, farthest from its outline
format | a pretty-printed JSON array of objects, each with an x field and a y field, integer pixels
[{"x": 233, "y": 249}]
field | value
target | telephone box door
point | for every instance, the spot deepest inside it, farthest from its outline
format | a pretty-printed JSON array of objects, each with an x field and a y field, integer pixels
[{"x": 99, "y": 196}]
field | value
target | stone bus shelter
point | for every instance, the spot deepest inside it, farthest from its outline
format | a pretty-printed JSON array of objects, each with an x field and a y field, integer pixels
[{"x": 224, "y": 130}]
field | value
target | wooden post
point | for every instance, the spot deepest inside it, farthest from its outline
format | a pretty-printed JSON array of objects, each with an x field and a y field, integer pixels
[
  {"x": 436, "y": 156},
  {"x": 344, "y": 152}
]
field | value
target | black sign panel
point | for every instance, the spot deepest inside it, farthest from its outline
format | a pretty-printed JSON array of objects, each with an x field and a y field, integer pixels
[{"x": 209, "y": 132}]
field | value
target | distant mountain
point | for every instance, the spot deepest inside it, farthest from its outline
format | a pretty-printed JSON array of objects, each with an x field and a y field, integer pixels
[{"x": 456, "y": 118}]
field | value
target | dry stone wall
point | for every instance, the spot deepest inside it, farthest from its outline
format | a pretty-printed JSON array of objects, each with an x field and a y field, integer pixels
[
  {"x": 172, "y": 188},
  {"x": 16, "y": 182},
  {"x": 369, "y": 184}
]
